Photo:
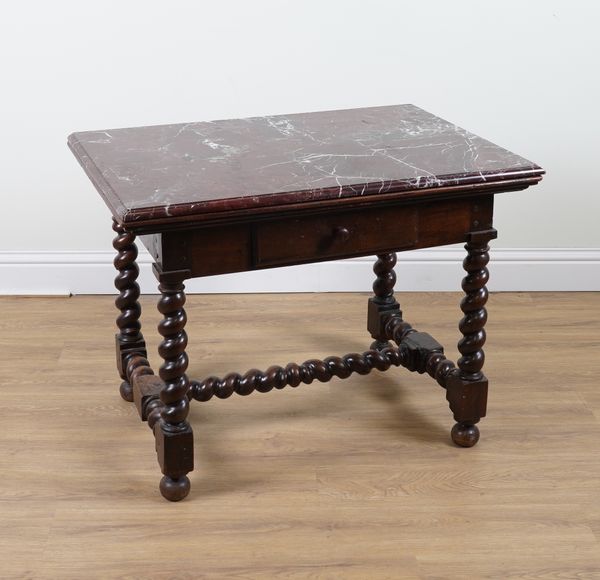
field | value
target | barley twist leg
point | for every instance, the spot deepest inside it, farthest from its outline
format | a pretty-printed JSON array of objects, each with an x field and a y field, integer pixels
[
  {"x": 172, "y": 431},
  {"x": 467, "y": 387},
  {"x": 129, "y": 339},
  {"x": 383, "y": 304}
]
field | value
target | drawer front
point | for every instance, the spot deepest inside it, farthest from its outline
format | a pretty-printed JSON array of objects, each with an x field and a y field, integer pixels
[
  {"x": 339, "y": 235},
  {"x": 237, "y": 247}
]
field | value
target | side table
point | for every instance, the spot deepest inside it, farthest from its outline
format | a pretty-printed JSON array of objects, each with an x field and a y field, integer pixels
[{"x": 244, "y": 194}]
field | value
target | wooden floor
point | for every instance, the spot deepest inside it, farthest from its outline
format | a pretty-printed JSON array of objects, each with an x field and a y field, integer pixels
[{"x": 353, "y": 479}]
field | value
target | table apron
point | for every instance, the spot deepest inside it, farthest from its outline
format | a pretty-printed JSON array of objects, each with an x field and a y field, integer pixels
[{"x": 305, "y": 237}]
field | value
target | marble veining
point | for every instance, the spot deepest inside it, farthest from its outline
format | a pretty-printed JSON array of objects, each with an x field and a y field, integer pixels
[{"x": 151, "y": 172}]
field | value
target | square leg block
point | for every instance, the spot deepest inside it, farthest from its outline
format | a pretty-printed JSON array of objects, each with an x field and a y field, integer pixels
[
  {"x": 175, "y": 451},
  {"x": 417, "y": 347},
  {"x": 376, "y": 315},
  {"x": 467, "y": 399},
  {"x": 123, "y": 349},
  {"x": 146, "y": 388}
]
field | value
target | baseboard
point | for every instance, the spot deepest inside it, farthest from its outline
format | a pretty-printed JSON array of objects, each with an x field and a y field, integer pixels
[{"x": 434, "y": 270}]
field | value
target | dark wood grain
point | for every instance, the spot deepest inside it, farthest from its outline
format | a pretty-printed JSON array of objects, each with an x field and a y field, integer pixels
[
  {"x": 414, "y": 351},
  {"x": 383, "y": 303},
  {"x": 310, "y": 235},
  {"x": 420, "y": 352},
  {"x": 327, "y": 236},
  {"x": 174, "y": 440},
  {"x": 129, "y": 339},
  {"x": 467, "y": 387}
]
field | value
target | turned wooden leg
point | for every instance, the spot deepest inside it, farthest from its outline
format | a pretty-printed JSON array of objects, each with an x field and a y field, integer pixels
[
  {"x": 129, "y": 340},
  {"x": 466, "y": 387},
  {"x": 383, "y": 304},
  {"x": 174, "y": 439}
]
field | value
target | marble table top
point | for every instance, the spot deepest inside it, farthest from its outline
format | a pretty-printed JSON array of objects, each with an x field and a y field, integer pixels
[{"x": 149, "y": 173}]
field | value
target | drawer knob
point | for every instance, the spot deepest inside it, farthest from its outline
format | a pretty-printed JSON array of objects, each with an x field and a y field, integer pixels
[{"x": 341, "y": 233}]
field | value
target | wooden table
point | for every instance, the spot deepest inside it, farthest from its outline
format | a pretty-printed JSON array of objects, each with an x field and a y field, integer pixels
[{"x": 236, "y": 195}]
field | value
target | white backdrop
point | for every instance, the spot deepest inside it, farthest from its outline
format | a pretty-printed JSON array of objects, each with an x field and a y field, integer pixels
[{"x": 522, "y": 74}]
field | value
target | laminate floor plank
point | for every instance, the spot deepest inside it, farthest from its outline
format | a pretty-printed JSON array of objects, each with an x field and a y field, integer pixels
[{"x": 353, "y": 479}]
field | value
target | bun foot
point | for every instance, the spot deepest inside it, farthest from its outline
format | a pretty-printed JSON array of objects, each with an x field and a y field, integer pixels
[
  {"x": 174, "y": 489},
  {"x": 126, "y": 392},
  {"x": 465, "y": 434}
]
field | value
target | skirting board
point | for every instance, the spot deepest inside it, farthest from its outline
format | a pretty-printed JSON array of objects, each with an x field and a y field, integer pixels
[{"x": 431, "y": 270}]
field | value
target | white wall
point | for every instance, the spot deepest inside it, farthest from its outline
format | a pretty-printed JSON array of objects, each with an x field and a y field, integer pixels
[{"x": 522, "y": 74}]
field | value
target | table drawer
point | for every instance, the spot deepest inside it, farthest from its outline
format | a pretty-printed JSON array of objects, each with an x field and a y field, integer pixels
[{"x": 320, "y": 237}]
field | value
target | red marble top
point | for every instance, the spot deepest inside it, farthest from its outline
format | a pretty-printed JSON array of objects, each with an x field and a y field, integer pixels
[{"x": 150, "y": 173}]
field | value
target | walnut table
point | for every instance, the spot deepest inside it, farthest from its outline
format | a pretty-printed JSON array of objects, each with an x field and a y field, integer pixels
[{"x": 236, "y": 195}]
